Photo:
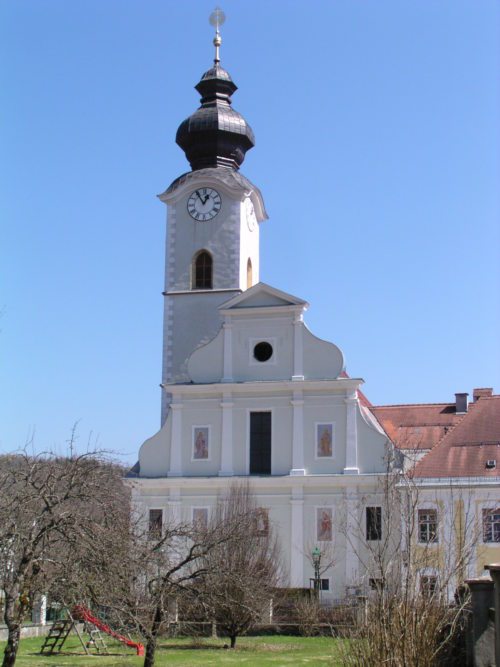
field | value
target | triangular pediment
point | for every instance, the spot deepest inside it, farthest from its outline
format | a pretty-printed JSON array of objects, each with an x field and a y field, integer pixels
[{"x": 262, "y": 295}]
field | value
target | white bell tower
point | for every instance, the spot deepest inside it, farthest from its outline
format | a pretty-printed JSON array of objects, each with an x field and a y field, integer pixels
[{"x": 213, "y": 217}]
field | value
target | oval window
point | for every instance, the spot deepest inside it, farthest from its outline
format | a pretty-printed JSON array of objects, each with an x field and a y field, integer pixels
[{"x": 263, "y": 351}]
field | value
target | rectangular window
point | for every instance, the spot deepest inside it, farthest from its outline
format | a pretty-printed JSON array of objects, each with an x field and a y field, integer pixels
[
  {"x": 261, "y": 522},
  {"x": 373, "y": 523},
  {"x": 260, "y": 443},
  {"x": 155, "y": 524},
  {"x": 376, "y": 584},
  {"x": 324, "y": 584},
  {"x": 200, "y": 518},
  {"x": 427, "y": 526},
  {"x": 491, "y": 525},
  {"x": 428, "y": 585}
]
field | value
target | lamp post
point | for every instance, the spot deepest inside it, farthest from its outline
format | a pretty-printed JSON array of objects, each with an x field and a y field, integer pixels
[{"x": 316, "y": 559}]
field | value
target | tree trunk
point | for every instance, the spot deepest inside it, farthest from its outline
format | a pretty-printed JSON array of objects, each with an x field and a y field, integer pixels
[
  {"x": 149, "y": 657},
  {"x": 10, "y": 651},
  {"x": 13, "y": 623},
  {"x": 149, "y": 654},
  {"x": 233, "y": 640}
]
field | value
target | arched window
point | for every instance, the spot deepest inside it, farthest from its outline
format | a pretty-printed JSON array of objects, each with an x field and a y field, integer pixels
[
  {"x": 202, "y": 270},
  {"x": 249, "y": 273}
]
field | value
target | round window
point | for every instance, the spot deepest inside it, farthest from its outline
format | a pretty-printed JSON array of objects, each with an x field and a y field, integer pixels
[{"x": 263, "y": 351}]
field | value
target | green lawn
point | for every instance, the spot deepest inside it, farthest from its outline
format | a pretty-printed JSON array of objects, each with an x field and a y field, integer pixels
[{"x": 251, "y": 651}]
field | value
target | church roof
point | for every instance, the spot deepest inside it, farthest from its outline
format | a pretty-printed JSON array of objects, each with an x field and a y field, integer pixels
[
  {"x": 416, "y": 426},
  {"x": 471, "y": 448},
  {"x": 229, "y": 177},
  {"x": 263, "y": 294},
  {"x": 215, "y": 135}
]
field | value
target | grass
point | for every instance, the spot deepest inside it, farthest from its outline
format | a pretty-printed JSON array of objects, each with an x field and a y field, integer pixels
[{"x": 272, "y": 651}]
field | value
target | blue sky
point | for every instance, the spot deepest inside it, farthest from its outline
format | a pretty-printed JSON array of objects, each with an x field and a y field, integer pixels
[{"x": 377, "y": 127}]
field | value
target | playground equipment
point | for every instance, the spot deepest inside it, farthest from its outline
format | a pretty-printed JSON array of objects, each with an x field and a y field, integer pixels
[
  {"x": 81, "y": 613},
  {"x": 60, "y": 630}
]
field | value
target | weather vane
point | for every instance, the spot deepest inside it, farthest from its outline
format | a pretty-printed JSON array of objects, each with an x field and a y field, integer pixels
[{"x": 217, "y": 18}]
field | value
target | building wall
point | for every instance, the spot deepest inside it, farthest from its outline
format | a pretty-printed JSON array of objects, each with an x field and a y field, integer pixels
[{"x": 342, "y": 564}]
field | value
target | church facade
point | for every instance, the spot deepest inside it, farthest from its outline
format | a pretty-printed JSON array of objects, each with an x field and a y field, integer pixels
[{"x": 249, "y": 393}]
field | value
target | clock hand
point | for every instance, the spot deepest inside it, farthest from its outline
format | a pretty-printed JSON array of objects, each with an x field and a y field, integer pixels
[
  {"x": 207, "y": 197},
  {"x": 200, "y": 197}
]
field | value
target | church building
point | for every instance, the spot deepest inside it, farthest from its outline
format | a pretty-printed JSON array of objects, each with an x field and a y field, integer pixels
[{"x": 249, "y": 393}]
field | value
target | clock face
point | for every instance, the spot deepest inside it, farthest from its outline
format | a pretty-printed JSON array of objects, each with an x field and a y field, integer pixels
[
  {"x": 204, "y": 204},
  {"x": 251, "y": 219}
]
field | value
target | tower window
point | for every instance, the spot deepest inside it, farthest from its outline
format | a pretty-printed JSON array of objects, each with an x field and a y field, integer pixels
[
  {"x": 249, "y": 273},
  {"x": 202, "y": 270}
]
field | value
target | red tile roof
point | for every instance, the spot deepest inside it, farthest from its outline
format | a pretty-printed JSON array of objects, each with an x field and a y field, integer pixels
[
  {"x": 419, "y": 426},
  {"x": 466, "y": 448}
]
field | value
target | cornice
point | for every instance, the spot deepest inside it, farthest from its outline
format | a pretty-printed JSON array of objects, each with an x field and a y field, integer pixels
[
  {"x": 336, "y": 481},
  {"x": 448, "y": 482},
  {"x": 230, "y": 182},
  {"x": 201, "y": 291},
  {"x": 339, "y": 385},
  {"x": 251, "y": 311}
]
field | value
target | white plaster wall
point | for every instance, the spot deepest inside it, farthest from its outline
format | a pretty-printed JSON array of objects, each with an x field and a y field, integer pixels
[
  {"x": 249, "y": 331},
  {"x": 249, "y": 248},
  {"x": 154, "y": 454},
  {"x": 372, "y": 447},
  {"x": 205, "y": 413},
  {"x": 276, "y": 498},
  {"x": 206, "y": 363},
  {"x": 324, "y": 409},
  {"x": 333, "y": 553},
  {"x": 322, "y": 360}
]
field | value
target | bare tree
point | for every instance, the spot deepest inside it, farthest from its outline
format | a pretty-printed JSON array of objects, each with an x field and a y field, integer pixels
[
  {"x": 50, "y": 507},
  {"x": 154, "y": 564},
  {"x": 242, "y": 573}
]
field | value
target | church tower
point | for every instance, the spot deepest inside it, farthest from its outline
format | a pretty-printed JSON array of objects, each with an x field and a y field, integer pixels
[{"x": 213, "y": 217}]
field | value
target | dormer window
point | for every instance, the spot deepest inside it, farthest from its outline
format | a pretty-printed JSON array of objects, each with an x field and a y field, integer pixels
[{"x": 202, "y": 270}]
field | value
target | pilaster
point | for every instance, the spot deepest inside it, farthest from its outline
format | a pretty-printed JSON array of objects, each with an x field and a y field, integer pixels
[
  {"x": 226, "y": 463},
  {"x": 353, "y": 525},
  {"x": 297, "y": 539},
  {"x": 298, "y": 348},
  {"x": 228, "y": 351},
  {"x": 174, "y": 507},
  {"x": 298, "y": 434},
  {"x": 351, "y": 447},
  {"x": 176, "y": 440}
]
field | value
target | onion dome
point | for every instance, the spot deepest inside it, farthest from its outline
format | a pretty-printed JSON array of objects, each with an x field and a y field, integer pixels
[{"x": 215, "y": 135}]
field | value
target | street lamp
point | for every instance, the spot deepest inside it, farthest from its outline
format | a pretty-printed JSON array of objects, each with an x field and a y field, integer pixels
[{"x": 316, "y": 559}]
